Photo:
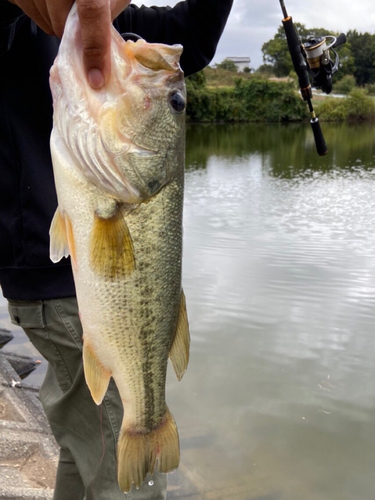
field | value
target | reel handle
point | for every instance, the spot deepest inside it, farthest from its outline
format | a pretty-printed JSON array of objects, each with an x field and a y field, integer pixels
[{"x": 339, "y": 40}]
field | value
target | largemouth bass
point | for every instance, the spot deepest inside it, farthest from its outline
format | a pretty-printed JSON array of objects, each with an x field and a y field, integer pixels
[{"x": 118, "y": 160}]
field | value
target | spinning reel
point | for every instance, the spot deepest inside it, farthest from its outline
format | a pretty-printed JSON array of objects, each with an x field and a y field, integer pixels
[
  {"x": 318, "y": 57},
  {"x": 313, "y": 60}
]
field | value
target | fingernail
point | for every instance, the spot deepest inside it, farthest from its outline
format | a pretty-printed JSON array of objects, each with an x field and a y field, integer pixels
[{"x": 96, "y": 78}]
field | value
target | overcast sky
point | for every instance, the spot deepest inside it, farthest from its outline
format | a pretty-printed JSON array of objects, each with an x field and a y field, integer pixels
[{"x": 253, "y": 23}]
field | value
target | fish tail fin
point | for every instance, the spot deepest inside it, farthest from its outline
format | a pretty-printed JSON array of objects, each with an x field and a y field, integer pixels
[
  {"x": 165, "y": 444},
  {"x": 138, "y": 452}
]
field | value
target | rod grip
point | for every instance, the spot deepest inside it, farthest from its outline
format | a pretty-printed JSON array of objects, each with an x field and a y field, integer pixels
[
  {"x": 320, "y": 143},
  {"x": 294, "y": 45}
]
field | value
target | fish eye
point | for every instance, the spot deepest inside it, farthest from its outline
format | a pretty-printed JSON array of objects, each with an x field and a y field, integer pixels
[{"x": 177, "y": 101}]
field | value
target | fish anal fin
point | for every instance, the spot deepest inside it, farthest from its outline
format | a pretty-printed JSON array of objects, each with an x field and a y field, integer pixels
[
  {"x": 179, "y": 352},
  {"x": 96, "y": 375},
  {"x": 58, "y": 238},
  {"x": 138, "y": 452},
  {"x": 111, "y": 246}
]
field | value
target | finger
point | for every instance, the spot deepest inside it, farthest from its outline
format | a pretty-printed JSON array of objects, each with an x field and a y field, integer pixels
[
  {"x": 117, "y": 6},
  {"x": 38, "y": 13},
  {"x": 95, "y": 20},
  {"x": 58, "y": 12}
]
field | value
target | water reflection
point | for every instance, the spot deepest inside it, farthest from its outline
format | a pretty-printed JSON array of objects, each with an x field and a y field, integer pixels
[
  {"x": 286, "y": 149},
  {"x": 279, "y": 273}
]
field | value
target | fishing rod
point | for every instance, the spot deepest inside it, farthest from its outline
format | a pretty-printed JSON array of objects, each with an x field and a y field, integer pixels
[{"x": 312, "y": 60}]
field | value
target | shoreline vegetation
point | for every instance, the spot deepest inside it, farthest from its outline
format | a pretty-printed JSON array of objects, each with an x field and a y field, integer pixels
[{"x": 218, "y": 95}]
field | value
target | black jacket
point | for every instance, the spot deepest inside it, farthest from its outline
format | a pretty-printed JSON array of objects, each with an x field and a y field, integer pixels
[{"x": 27, "y": 192}]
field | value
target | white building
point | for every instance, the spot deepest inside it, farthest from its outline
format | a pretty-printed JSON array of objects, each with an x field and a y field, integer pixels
[{"x": 240, "y": 62}]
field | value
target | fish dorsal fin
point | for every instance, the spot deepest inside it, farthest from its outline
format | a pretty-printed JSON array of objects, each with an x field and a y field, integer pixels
[
  {"x": 111, "y": 246},
  {"x": 179, "y": 353},
  {"x": 157, "y": 56},
  {"x": 96, "y": 375},
  {"x": 62, "y": 242}
]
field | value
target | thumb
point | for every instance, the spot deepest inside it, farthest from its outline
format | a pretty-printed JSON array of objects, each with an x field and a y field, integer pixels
[{"x": 95, "y": 21}]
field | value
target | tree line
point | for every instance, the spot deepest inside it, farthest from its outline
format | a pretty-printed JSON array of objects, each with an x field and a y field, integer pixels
[{"x": 357, "y": 55}]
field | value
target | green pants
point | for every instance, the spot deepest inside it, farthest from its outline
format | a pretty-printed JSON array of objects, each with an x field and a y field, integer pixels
[{"x": 86, "y": 433}]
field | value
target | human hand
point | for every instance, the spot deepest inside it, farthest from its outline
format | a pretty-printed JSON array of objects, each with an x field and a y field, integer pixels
[{"x": 95, "y": 17}]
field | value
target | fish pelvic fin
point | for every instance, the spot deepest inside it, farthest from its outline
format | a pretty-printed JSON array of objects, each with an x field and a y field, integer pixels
[
  {"x": 96, "y": 375},
  {"x": 62, "y": 243},
  {"x": 138, "y": 452},
  {"x": 179, "y": 352},
  {"x": 111, "y": 246}
]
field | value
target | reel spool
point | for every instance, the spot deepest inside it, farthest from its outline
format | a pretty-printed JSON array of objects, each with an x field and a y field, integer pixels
[{"x": 318, "y": 57}]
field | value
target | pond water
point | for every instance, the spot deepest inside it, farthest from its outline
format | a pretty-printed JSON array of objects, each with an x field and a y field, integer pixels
[{"x": 279, "y": 274}]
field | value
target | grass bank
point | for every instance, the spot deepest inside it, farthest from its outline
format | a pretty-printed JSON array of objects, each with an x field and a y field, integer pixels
[
  {"x": 224, "y": 96},
  {"x": 357, "y": 106}
]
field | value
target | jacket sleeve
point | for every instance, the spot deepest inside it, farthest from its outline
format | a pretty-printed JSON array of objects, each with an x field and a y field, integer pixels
[
  {"x": 9, "y": 19},
  {"x": 195, "y": 24}
]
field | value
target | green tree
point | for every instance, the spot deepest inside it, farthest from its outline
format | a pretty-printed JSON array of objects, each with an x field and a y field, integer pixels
[
  {"x": 362, "y": 47},
  {"x": 228, "y": 65},
  {"x": 276, "y": 54},
  {"x": 196, "y": 81},
  {"x": 345, "y": 85},
  {"x": 346, "y": 66},
  {"x": 265, "y": 69}
]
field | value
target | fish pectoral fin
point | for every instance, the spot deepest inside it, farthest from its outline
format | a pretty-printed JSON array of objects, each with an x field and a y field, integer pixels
[
  {"x": 96, "y": 375},
  {"x": 111, "y": 246},
  {"x": 138, "y": 452},
  {"x": 179, "y": 352},
  {"x": 58, "y": 238},
  {"x": 62, "y": 243}
]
